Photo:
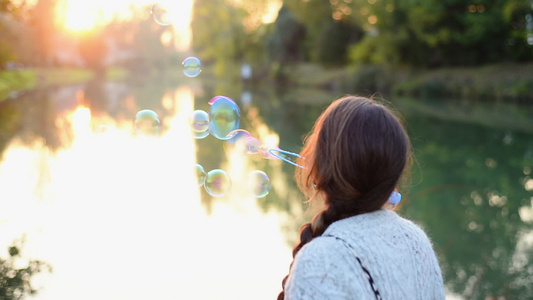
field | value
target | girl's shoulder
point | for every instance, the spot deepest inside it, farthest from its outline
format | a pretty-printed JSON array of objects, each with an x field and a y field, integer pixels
[{"x": 381, "y": 224}]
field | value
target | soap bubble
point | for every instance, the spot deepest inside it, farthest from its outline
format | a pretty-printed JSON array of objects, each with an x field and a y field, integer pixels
[
  {"x": 225, "y": 117},
  {"x": 199, "y": 121},
  {"x": 259, "y": 183},
  {"x": 264, "y": 150},
  {"x": 191, "y": 66},
  {"x": 160, "y": 15},
  {"x": 217, "y": 183},
  {"x": 200, "y": 174},
  {"x": 243, "y": 141},
  {"x": 147, "y": 123},
  {"x": 200, "y": 135}
]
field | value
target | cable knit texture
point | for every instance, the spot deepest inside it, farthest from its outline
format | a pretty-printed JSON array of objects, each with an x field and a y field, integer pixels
[{"x": 396, "y": 252}]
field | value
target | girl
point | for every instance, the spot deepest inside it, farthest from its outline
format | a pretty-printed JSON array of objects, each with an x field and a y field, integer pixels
[{"x": 357, "y": 248}]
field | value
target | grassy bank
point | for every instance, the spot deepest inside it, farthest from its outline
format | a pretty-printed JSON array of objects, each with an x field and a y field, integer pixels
[
  {"x": 503, "y": 82},
  {"x": 13, "y": 81},
  {"x": 28, "y": 79}
]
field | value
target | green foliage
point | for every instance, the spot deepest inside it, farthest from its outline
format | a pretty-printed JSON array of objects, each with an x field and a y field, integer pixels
[
  {"x": 15, "y": 281},
  {"x": 517, "y": 46},
  {"x": 311, "y": 13},
  {"x": 16, "y": 80},
  {"x": 333, "y": 42},
  {"x": 426, "y": 33},
  {"x": 317, "y": 77},
  {"x": 367, "y": 80},
  {"x": 139, "y": 40},
  {"x": 284, "y": 43},
  {"x": 6, "y": 54},
  {"x": 367, "y": 51},
  {"x": 499, "y": 82},
  {"x": 219, "y": 37},
  {"x": 28, "y": 79}
]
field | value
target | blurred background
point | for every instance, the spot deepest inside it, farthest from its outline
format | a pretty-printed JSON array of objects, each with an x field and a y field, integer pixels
[{"x": 90, "y": 209}]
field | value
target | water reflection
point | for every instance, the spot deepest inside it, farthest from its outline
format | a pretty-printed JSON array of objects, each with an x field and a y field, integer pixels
[
  {"x": 109, "y": 210},
  {"x": 468, "y": 189}
]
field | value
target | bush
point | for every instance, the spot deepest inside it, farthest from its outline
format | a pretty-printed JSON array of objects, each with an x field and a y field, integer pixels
[{"x": 367, "y": 80}]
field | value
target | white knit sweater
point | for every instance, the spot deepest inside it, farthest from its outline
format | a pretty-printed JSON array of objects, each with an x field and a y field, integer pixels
[{"x": 396, "y": 252}]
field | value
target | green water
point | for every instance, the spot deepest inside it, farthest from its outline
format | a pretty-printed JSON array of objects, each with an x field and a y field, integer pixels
[{"x": 470, "y": 184}]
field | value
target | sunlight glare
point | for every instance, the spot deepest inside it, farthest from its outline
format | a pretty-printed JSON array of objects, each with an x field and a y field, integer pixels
[{"x": 81, "y": 16}]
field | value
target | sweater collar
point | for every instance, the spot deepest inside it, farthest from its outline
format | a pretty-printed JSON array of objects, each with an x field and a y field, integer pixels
[{"x": 371, "y": 219}]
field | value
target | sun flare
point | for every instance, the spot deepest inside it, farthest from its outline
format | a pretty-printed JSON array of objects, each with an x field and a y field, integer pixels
[{"x": 77, "y": 16}]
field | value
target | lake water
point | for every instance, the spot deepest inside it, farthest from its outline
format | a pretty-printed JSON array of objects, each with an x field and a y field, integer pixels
[{"x": 122, "y": 217}]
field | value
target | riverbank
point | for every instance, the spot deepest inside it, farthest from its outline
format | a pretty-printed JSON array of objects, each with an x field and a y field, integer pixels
[
  {"x": 19, "y": 80},
  {"x": 492, "y": 83}
]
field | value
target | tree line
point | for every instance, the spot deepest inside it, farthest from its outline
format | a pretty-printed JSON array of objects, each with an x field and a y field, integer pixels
[{"x": 418, "y": 33}]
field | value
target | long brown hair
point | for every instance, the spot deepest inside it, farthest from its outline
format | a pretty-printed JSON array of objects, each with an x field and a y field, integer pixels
[{"x": 354, "y": 157}]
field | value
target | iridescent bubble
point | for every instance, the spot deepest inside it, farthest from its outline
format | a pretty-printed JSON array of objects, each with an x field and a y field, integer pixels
[
  {"x": 217, "y": 183},
  {"x": 259, "y": 183},
  {"x": 191, "y": 66},
  {"x": 199, "y": 121},
  {"x": 160, "y": 15},
  {"x": 200, "y": 135},
  {"x": 243, "y": 141},
  {"x": 200, "y": 174},
  {"x": 264, "y": 150},
  {"x": 147, "y": 123},
  {"x": 216, "y": 98},
  {"x": 225, "y": 117}
]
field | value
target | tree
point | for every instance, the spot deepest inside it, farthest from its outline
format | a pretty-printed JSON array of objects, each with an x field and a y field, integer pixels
[
  {"x": 93, "y": 49},
  {"x": 15, "y": 282},
  {"x": 284, "y": 43},
  {"x": 42, "y": 21},
  {"x": 441, "y": 33},
  {"x": 10, "y": 30},
  {"x": 219, "y": 36}
]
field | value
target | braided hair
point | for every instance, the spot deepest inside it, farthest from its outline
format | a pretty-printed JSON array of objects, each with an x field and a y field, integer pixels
[{"x": 353, "y": 158}]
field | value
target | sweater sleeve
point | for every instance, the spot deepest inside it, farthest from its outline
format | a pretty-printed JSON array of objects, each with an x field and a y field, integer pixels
[{"x": 324, "y": 269}]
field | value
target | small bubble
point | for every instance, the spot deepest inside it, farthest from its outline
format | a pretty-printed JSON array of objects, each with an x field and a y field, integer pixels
[
  {"x": 242, "y": 141},
  {"x": 217, "y": 183},
  {"x": 200, "y": 135},
  {"x": 160, "y": 15},
  {"x": 199, "y": 121},
  {"x": 225, "y": 117},
  {"x": 200, "y": 174},
  {"x": 259, "y": 183},
  {"x": 191, "y": 66},
  {"x": 264, "y": 150},
  {"x": 147, "y": 123}
]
